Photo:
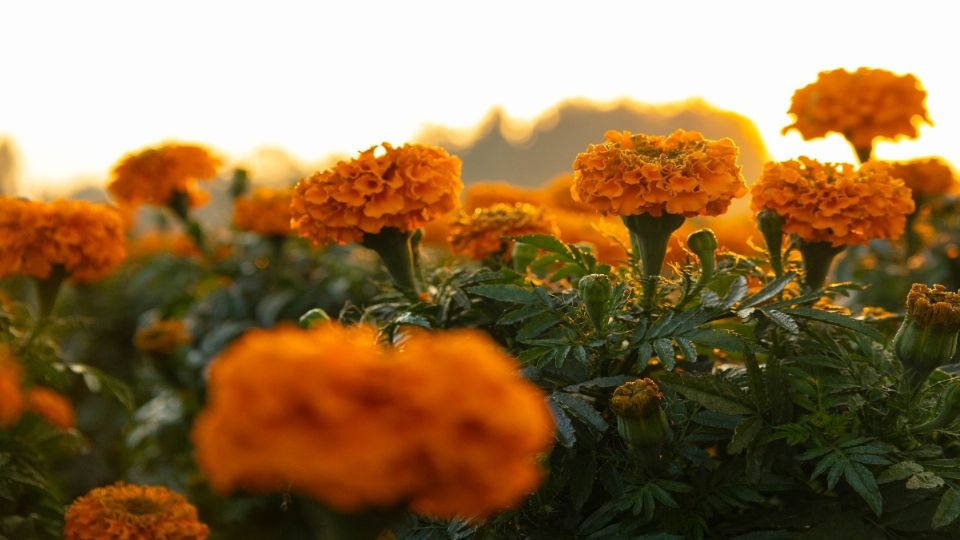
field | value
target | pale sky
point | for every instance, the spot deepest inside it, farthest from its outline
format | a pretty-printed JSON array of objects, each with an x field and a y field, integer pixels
[{"x": 82, "y": 83}]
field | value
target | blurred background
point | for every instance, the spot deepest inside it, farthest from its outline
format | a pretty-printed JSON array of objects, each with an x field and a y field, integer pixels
[{"x": 515, "y": 88}]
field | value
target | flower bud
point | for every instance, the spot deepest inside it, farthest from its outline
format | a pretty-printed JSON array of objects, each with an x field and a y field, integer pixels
[
  {"x": 313, "y": 317},
  {"x": 927, "y": 338},
  {"x": 240, "y": 183},
  {"x": 595, "y": 291},
  {"x": 640, "y": 419},
  {"x": 771, "y": 226},
  {"x": 703, "y": 244}
]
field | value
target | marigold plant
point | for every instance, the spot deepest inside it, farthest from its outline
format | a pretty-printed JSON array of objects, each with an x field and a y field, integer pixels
[
  {"x": 127, "y": 512},
  {"x": 354, "y": 425},
  {"x": 52, "y": 406},
  {"x": 11, "y": 391},
  {"x": 929, "y": 176},
  {"x": 403, "y": 188},
  {"x": 483, "y": 232},
  {"x": 861, "y": 105},
  {"x": 681, "y": 174},
  {"x": 265, "y": 211},
  {"x": 162, "y": 336},
  {"x": 162, "y": 242},
  {"x": 834, "y": 203},
  {"x": 156, "y": 175},
  {"x": 85, "y": 239}
]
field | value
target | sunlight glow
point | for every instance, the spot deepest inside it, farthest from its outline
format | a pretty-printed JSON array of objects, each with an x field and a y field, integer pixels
[{"x": 81, "y": 83}]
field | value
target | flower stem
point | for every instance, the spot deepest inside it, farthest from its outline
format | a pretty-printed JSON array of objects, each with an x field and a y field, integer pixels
[
  {"x": 396, "y": 251},
  {"x": 817, "y": 258},
  {"x": 649, "y": 235},
  {"x": 365, "y": 525}
]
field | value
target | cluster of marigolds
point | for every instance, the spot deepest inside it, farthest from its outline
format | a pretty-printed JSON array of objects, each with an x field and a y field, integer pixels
[{"x": 328, "y": 411}]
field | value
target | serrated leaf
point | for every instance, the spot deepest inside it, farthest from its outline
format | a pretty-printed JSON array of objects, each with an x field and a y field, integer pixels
[
  {"x": 948, "y": 510},
  {"x": 769, "y": 291},
  {"x": 661, "y": 495},
  {"x": 719, "y": 339},
  {"x": 738, "y": 290},
  {"x": 521, "y": 313},
  {"x": 828, "y": 461},
  {"x": 837, "y": 320},
  {"x": 538, "y": 325},
  {"x": 925, "y": 480},
  {"x": 512, "y": 294},
  {"x": 836, "y": 470},
  {"x": 566, "y": 434},
  {"x": 745, "y": 433},
  {"x": 709, "y": 299},
  {"x": 687, "y": 348},
  {"x": 643, "y": 355},
  {"x": 716, "y": 419},
  {"x": 601, "y": 382},
  {"x": 547, "y": 243},
  {"x": 412, "y": 319},
  {"x": 899, "y": 471},
  {"x": 665, "y": 352},
  {"x": 581, "y": 409},
  {"x": 709, "y": 398},
  {"x": 582, "y": 478},
  {"x": 862, "y": 481},
  {"x": 782, "y": 320}
]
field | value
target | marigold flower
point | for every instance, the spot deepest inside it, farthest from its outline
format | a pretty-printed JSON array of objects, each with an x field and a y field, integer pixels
[
  {"x": 84, "y": 238},
  {"x": 834, "y": 203},
  {"x": 681, "y": 174},
  {"x": 557, "y": 194},
  {"x": 162, "y": 337},
  {"x": 161, "y": 242},
  {"x": 404, "y": 188},
  {"x": 156, "y": 175},
  {"x": 930, "y": 176},
  {"x": 861, "y": 106},
  {"x": 483, "y": 232},
  {"x": 355, "y": 425},
  {"x": 52, "y": 406},
  {"x": 11, "y": 391},
  {"x": 265, "y": 211},
  {"x": 928, "y": 336},
  {"x": 640, "y": 419},
  {"x": 484, "y": 194},
  {"x": 128, "y": 512}
]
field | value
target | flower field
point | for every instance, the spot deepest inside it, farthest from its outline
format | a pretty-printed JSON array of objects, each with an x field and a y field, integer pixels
[{"x": 381, "y": 352}]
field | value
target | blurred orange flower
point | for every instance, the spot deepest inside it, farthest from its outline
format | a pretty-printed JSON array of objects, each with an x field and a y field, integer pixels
[
  {"x": 354, "y": 425},
  {"x": 482, "y": 232},
  {"x": 404, "y": 188},
  {"x": 84, "y": 238},
  {"x": 265, "y": 211},
  {"x": 130, "y": 512},
  {"x": 861, "y": 106},
  {"x": 606, "y": 236},
  {"x": 163, "y": 242},
  {"x": 52, "y": 406},
  {"x": 836, "y": 203},
  {"x": 155, "y": 175},
  {"x": 162, "y": 337},
  {"x": 557, "y": 194},
  {"x": 929, "y": 176},
  {"x": 484, "y": 194},
  {"x": 11, "y": 391},
  {"x": 682, "y": 174}
]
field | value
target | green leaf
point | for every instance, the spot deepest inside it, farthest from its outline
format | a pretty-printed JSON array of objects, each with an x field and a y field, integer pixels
[
  {"x": 512, "y": 294},
  {"x": 709, "y": 299},
  {"x": 738, "y": 289},
  {"x": 601, "y": 382},
  {"x": 661, "y": 495},
  {"x": 720, "y": 339},
  {"x": 772, "y": 289},
  {"x": 521, "y": 313},
  {"x": 862, "y": 481},
  {"x": 782, "y": 320},
  {"x": 547, "y": 243},
  {"x": 412, "y": 319},
  {"x": 899, "y": 471},
  {"x": 687, "y": 348},
  {"x": 566, "y": 434},
  {"x": 948, "y": 510},
  {"x": 95, "y": 380},
  {"x": 837, "y": 320},
  {"x": 582, "y": 478},
  {"x": 538, "y": 325},
  {"x": 925, "y": 480},
  {"x": 829, "y": 461},
  {"x": 581, "y": 409},
  {"x": 745, "y": 433},
  {"x": 704, "y": 390},
  {"x": 664, "y": 350}
]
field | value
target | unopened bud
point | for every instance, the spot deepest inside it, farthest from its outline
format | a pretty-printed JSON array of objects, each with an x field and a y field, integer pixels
[
  {"x": 927, "y": 338},
  {"x": 703, "y": 244},
  {"x": 640, "y": 420},
  {"x": 313, "y": 317},
  {"x": 771, "y": 227},
  {"x": 595, "y": 291}
]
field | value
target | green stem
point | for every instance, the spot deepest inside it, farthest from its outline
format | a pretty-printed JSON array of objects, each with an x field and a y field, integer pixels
[
  {"x": 365, "y": 525},
  {"x": 396, "y": 251},
  {"x": 180, "y": 205},
  {"x": 817, "y": 258},
  {"x": 649, "y": 236},
  {"x": 864, "y": 154},
  {"x": 911, "y": 238},
  {"x": 277, "y": 243}
]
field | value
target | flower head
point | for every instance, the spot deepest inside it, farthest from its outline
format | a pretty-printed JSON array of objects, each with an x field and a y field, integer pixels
[
  {"x": 681, "y": 174},
  {"x": 403, "y": 188},
  {"x": 483, "y": 232},
  {"x": 84, "y": 238},
  {"x": 162, "y": 337},
  {"x": 11, "y": 389},
  {"x": 928, "y": 336},
  {"x": 835, "y": 203},
  {"x": 861, "y": 106},
  {"x": 640, "y": 419},
  {"x": 265, "y": 211},
  {"x": 156, "y": 175},
  {"x": 52, "y": 406},
  {"x": 354, "y": 425},
  {"x": 934, "y": 306},
  {"x": 127, "y": 512},
  {"x": 156, "y": 243},
  {"x": 557, "y": 194},
  {"x": 930, "y": 176}
]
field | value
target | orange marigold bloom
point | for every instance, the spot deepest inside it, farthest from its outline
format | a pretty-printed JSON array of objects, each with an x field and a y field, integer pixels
[
  {"x": 484, "y": 194},
  {"x": 557, "y": 194},
  {"x": 162, "y": 337},
  {"x": 162, "y": 242},
  {"x": 52, "y": 406},
  {"x": 265, "y": 211},
  {"x": 682, "y": 174},
  {"x": 930, "y": 176},
  {"x": 11, "y": 391},
  {"x": 354, "y": 425},
  {"x": 132, "y": 512},
  {"x": 483, "y": 232},
  {"x": 154, "y": 175},
  {"x": 861, "y": 106},
  {"x": 606, "y": 236},
  {"x": 84, "y": 238},
  {"x": 836, "y": 203},
  {"x": 404, "y": 188}
]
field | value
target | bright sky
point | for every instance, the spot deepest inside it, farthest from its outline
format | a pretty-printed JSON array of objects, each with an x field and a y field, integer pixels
[{"x": 82, "y": 83}]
